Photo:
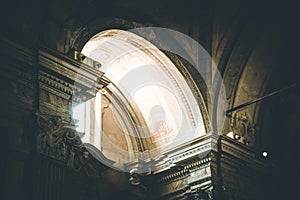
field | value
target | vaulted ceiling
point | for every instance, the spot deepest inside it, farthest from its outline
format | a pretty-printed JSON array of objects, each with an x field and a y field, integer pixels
[{"x": 254, "y": 45}]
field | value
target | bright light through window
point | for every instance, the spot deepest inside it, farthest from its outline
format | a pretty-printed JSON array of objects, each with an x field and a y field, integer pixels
[{"x": 156, "y": 91}]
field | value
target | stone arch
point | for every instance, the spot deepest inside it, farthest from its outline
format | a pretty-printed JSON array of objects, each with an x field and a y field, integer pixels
[
  {"x": 189, "y": 108},
  {"x": 193, "y": 77}
]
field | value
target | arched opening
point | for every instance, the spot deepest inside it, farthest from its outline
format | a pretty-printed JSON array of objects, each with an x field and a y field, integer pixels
[{"x": 147, "y": 109}]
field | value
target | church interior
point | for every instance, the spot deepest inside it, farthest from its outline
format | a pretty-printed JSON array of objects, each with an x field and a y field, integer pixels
[{"x": 75, "y": 124}]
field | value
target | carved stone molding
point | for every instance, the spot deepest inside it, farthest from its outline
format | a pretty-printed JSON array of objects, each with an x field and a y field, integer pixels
[
  {"x": 69, "y": 78},
  {"x": 198, "y": 177},
  {"x": 57, "y": 138},
  {"x": 189, "y": 180},
  {"x": 198, "y": 148}
]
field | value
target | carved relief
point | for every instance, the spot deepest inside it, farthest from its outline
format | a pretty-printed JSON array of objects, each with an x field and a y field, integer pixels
[
  {"x": 58, "y": 139},
  {"x": 192, "y": 179},
  {"x": 243, "y": 128}
]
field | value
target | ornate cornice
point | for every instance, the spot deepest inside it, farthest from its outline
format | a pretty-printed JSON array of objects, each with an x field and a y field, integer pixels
[
  {"x": 57, "y": 83},
  {"x": 187, "y": 170},
  {"x": 68, "y": 76}
]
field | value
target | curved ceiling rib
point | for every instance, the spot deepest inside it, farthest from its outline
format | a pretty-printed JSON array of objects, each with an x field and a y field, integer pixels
[{"x": 150, "y": 102}]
